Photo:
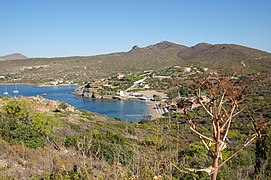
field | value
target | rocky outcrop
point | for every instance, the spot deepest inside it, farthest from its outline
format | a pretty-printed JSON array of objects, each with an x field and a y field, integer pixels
[{"x": 79, "y": 90}]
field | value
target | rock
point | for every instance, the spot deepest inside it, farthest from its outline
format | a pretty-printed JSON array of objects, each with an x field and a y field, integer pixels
[
  {"x": 88, "y": 86},
  {"x": 135, "y": 47}
]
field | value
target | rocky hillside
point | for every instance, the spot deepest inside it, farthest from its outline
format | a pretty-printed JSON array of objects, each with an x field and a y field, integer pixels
[
  {"x": 223, "y": 57},
  {"x": 39, "y": 137},
  {"x": 228, "y": 57},
  {"x": 45, "y": 139}
]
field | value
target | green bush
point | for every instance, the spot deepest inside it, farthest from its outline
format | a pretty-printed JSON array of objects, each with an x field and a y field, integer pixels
[
  {"x": 26, "y": 135},
  {"x": 19, "y": 125},
  {"x": 71, "y": 141},
  {"x": 20, "y": 133},
  {"x": 112, "y": 147},
  {"x": 63, "y": 105},
  {"x": 44, "y": 123},
  {"x": 74, "y": 126},
  {"x": 17, "y": 110}
]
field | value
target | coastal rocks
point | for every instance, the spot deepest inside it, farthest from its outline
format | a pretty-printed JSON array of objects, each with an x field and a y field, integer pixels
[
  {"x": 88, "y": 95},
  {"x": 46, "y": 105},
  {"x": 86, "y": 91},
  {"x": 79, "y": 90}
]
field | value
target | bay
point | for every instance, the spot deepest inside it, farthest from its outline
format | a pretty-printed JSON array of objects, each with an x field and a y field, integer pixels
[{"x": 124, "y": 110}]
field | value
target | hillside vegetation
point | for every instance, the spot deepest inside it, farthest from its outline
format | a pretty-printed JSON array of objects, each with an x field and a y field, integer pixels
[
  {"x": 81, "y": 144},
  {"x": 226, "y": 57},
  {"x": 44, "y": 139}
]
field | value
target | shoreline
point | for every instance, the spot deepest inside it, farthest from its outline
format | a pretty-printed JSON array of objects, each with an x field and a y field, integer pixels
[
  {"x": 153, "y": 112},
  {"x": 150, "y": 104},
  {"x": 49, "y": 85},
  {"x": 37, "y": 85},
  {"x": 8, "y": 84},
  {"x": 147, "y": 93}
]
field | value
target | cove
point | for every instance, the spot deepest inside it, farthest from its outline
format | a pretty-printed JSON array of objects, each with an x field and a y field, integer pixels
[{"x": 124, "y": 110}]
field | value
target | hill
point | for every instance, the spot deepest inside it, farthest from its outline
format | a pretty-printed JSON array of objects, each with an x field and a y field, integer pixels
[
  {"x": 14, "y": 56},
  {"x": 222, "y": 57},
  {"x": 45, "y": 139},
  {"x": 227, "y": 57}
]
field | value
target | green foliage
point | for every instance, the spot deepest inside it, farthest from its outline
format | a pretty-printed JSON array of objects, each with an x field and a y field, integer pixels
[
  {"x": 131, "y": 130},
  {"x": 156, "y": 97},
  {"x": 133, "y": 78},
  {"x": 63, "y": 105},
  {"x": 71, "y": 140},
  {"x": 87, "y": 114},
  {"x": 112, "y": 147},
  {"x": 173, "y": 93},
  {"x": 184, "y": 91},
  {"x": 17, "y": 132},
  {"x": 196, "y": 149},
  {"x": 74, "y": 174},
  {"x": 263, "y": 156},
  {"x": 17, "y": 110},
  {"x": 26, "y": 135},
  {"x": 44, "y": 123},
  {"x": 144, "y": 121},
  {"x": 74, "y": 126},
  {"x": 19, "y": 125},
  {"x": 243, "y": 159}
]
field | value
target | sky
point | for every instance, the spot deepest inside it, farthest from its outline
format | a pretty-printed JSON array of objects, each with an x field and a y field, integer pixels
[{"x": 57, "y": 28}]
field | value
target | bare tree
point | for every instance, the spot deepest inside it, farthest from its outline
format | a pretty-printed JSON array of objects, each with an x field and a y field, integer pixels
[{"x": 220, "y": 102}]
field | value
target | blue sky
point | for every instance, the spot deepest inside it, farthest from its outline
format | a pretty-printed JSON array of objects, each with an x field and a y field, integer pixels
[{"x": 51, "y": 28}]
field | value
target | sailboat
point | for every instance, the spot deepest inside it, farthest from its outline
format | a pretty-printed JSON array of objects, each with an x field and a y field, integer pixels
[
  {"x": 6, "y": 92},
  {"x": 16, "y": 90}
]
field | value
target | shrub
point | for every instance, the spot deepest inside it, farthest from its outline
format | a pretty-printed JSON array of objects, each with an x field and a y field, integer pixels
[
  {"x": 44, "y": 123},
  {"x": 112, "y": 147},
  {"x": 71, "y": 141},
  {"x": 63, "y": 105},
  {"x": 17, "y": 110},
  {"x": 74, "y": 126},
  {"x": 26, "y": 135},
  {"x": 17, "y": 125},
  {"x": 20, "y": 133}
]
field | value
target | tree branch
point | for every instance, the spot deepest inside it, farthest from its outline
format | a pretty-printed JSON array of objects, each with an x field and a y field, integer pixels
[
  {"x": 198, "y": 133},
  {"x": 208, "y": 170},
  {"x": 229, "y": 122},
  {"x": 237, "y": 151},
  {"x": 187, "y": 172},
  {"x": 237, "y": 113},
  {"x": 207, "y": 147},
  {"x": 201, "y": 103},
  {"x": 221, "y": 102}
]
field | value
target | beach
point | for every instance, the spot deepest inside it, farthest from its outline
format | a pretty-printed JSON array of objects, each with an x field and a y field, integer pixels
[{"x": 152, "y": 109}]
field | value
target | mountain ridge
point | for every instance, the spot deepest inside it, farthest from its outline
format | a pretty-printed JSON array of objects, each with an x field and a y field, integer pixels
[
  {"x": 227, "y": 58},
  {"x": 13, "y": 56}
]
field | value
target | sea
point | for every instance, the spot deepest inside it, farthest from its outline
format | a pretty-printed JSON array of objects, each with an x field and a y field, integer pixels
[{"x": 129, "y": 111}]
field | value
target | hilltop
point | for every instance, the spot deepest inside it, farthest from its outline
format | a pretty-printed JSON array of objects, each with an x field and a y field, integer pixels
[
  {"x": 227, "y": 58},
  {"x": 14, "y": 56}
]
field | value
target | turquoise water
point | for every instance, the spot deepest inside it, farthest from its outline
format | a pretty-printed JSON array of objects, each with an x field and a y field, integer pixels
[{"x": 125, "y": 110}]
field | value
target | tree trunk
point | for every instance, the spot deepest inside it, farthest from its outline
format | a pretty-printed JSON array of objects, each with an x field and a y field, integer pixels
[
  {"x": 217, "y": 150},
  {"x": 215, "y": 164}
]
